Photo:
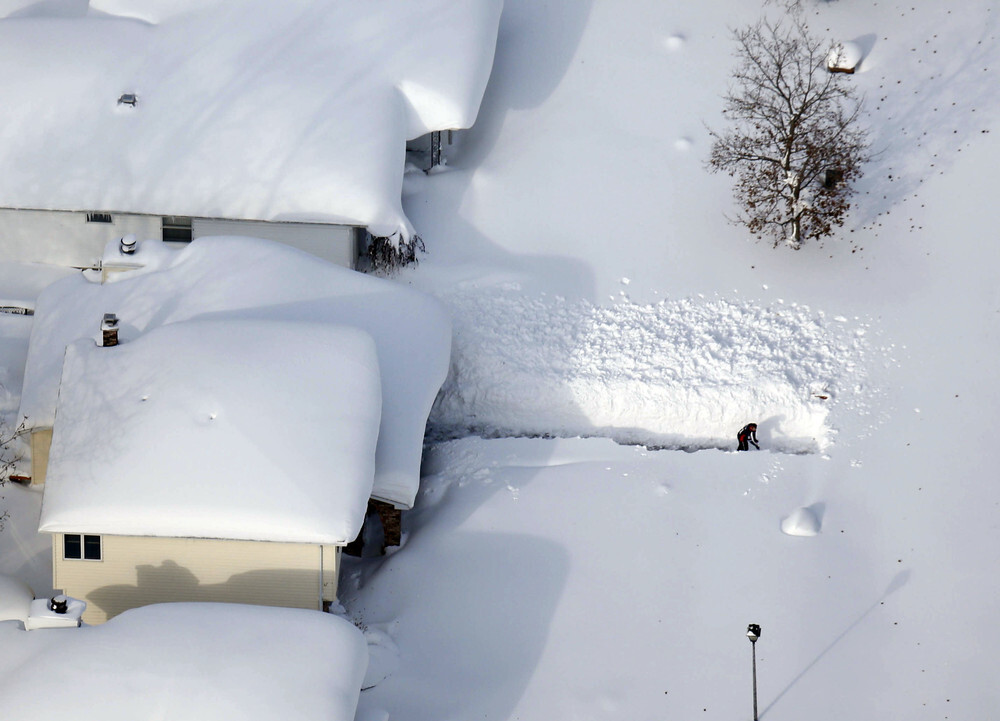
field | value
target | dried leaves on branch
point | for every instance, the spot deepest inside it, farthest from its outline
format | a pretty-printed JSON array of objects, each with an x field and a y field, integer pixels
[
  {"x": 8, "y": 459},
  {"x": 794, "y": 145},
  {"x": 386, "y": 255}
]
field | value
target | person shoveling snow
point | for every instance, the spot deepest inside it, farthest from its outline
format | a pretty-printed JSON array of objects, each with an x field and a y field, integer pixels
[{"x": 746, "y": 435}]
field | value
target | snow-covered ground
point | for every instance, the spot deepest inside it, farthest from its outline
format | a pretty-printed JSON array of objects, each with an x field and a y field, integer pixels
[{"x": 596, "y": 288}]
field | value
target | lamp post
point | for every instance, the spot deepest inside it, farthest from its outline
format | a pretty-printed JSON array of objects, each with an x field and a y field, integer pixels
[{"x": 753, "y": 633}]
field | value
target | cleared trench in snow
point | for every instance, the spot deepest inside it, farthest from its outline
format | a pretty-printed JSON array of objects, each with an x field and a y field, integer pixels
[{"x": 684, "y": 374}]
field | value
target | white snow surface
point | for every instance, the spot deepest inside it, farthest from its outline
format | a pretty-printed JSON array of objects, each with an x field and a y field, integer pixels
[
  {"x": 544, "y": 578},
  {"x": 295, "y": 110},
  {"x": 548, "y": 578},
  {"x": 681, "y": 373},
  {"x": 194, "y": 661},
  {"x": 239, "y": 429},
  {"x": 15, "y": 599},
  {"x": 242, "y": 278}
]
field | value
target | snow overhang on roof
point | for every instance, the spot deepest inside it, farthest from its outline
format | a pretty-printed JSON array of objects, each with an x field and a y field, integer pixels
[
  {"x": 240, "y": 429},
  {"x": 245, "y": 278},
  {"x": 256, "y": 110}
]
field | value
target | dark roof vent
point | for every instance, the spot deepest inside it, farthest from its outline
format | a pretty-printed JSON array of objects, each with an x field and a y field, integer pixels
[
  {"x": 127, "y": 244},
  {"x": 129, "y": 99},
  {"x": 59, "y": 604}
]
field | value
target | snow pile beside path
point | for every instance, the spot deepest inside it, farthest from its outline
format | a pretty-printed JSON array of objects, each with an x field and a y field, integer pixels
[{"x": 685, "y": 373}]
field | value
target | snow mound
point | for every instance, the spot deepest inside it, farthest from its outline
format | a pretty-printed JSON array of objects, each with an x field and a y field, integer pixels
[
  {"x": 15, "y": 599},
  {"x": 211, "y": 661},
  {"x": 844, "y": 57},
  {"x": 383, "y": 655},
  {"x": 674, "y": 42},
  {"x": 803, "y": 521},
  {"x": 681, "y": 374}
]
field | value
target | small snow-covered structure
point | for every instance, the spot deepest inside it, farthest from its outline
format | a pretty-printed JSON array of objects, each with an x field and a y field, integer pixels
[
  {"x": 193, "y": 661},
  {"x": 844, "y": 58},
  {"x": 56, "y": 612},
  {"x": 181, "y": 120},
  {"x": 211, "y": 460}
]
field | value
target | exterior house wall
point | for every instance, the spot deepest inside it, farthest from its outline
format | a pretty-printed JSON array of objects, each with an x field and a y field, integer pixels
[
  {"x": 61, "y": 237},
  {"x": 335, "y": 243},
  {"x": 137, "y": 571},
  {"x": 41, "y": 441}
]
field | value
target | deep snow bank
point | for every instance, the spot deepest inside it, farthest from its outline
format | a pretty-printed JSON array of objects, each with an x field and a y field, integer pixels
[
  {"x": 678, "y": 373},
  {"x": 187, "y": 661}
]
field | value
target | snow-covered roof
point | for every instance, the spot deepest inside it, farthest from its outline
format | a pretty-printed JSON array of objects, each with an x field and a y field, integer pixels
[
  {"x": 262, "y": 110},
  {"x": 241, "y": 429},
  {"x": 233, "y": 278},
  {"x": 193, "y": 661}
]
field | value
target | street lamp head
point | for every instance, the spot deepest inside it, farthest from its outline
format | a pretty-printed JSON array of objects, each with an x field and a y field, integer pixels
[{"x": 753, "y": 632}]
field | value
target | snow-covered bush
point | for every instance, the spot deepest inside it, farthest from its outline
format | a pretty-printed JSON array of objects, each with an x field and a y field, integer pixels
[{"x": 385, "y": 255}]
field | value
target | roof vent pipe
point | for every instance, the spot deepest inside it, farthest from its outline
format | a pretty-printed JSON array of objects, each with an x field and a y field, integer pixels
[
  {"x": 59, "y": 604},
  {"x": 109, "y": 330},
  {"x": 127, "y": 244}
]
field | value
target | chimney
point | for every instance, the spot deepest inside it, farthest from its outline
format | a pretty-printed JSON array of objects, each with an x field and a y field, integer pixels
[
  {"x": 59, "y": 604},
  {"x": 109, "y": 330}
]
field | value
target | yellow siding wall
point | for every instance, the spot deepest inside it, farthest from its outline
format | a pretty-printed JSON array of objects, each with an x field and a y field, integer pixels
[
  {"x": 41, "y": 440},
  {"x": 137, "y": 571}
]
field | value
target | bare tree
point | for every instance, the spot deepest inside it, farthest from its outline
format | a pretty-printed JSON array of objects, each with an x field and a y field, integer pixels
[
  {"x": 8, "y": 460},
  {"x": 794, "y": 146}
]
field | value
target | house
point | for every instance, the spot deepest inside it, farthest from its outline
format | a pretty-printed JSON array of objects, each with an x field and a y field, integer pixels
[
  {"x": 225, "y": 460},
  {"x": 181, "y": 120},
  {"x": 163, "y": 305}
]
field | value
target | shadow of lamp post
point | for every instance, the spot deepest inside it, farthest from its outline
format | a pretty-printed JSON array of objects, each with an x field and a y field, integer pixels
[{"x": 753, "y": 633}]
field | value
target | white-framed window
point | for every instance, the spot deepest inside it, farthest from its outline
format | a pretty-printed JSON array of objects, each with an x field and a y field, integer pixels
[{"x": 81, "y": 547}]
